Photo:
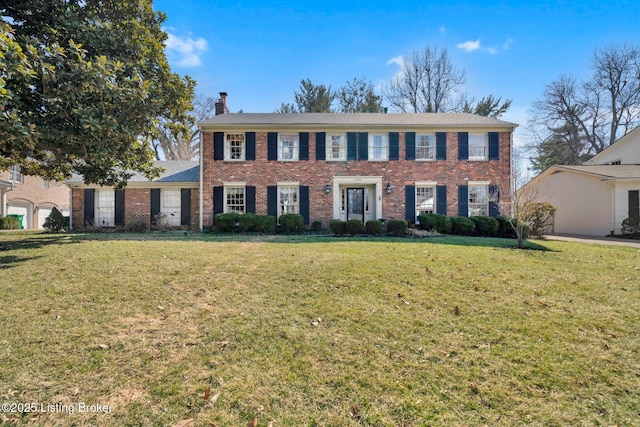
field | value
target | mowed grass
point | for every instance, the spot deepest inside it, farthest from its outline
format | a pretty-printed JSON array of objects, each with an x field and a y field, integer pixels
[{"x": 318, "y": 332}]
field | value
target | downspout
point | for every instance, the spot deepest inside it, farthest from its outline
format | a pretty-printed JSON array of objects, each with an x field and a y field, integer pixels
[
  {"x": 200, "y": 210},
  {"x": 3, "y": 202}
]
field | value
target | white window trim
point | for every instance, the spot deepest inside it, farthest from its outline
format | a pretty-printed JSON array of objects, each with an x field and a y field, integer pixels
[
  {"x": 427, "y": 159},
  {"x": 15, "y": 175},
  {"x": 295, "y": 185},
  {"x": 171, "y": 220},
  {"x": 385, "y": 146},
  {"x": 109, "y": 219},
  {"x": 485, "y": 185},
  {"x": 486, "y": 147},
  {"x": 227, "y": 148},
  {"x": 329, "y": 147},
  {"x": 296, "y": 147},
  {"x": 228, "y": 185},
  {"x": 431, "y": 185}
]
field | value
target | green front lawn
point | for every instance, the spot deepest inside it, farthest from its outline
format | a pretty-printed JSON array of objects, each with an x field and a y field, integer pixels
[{"x": 304, "y": 331}]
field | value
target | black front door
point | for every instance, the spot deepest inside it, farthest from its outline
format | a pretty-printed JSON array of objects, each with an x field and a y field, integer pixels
[{"x": 355, "y": 203}]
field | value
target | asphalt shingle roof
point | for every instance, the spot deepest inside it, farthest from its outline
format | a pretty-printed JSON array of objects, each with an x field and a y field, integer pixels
[
  {"x": 175, "y": 171},
  {"x": 607, "y": 171},
  {"x": 355, "y": 119}
]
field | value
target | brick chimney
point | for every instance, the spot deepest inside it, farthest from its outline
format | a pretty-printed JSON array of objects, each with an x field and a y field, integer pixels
[{"x": 221, "y": 105}]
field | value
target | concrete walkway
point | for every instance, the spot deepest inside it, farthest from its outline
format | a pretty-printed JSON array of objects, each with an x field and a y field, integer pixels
[{"x": 598, "y": 240}]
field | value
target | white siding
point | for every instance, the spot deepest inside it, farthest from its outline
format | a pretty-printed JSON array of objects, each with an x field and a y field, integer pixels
[{"x": 621, "y": 204}]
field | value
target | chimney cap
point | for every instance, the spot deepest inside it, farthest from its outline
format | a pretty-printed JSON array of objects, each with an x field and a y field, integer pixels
[{"x": 223, "y": 94}]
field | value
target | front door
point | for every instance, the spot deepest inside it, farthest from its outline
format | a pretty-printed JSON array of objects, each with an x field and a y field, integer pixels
[{"x": 355, "y": 203}]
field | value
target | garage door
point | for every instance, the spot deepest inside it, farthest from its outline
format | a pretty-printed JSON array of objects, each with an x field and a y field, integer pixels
[
  {"x": 19, "y": 210},
  {"x": 43, "y": 213}
]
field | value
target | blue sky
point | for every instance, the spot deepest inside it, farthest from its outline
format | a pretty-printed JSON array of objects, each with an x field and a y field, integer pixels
[{"x": 258, "y": 51}]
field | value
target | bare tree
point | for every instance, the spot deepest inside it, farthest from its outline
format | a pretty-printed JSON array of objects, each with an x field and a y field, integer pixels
[
  {"x": 601, "y": 109},
  {"x": 427, "y": 83},
  {"x": 182, "y": 144}
]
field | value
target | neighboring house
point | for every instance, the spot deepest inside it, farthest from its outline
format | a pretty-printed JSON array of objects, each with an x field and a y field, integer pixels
[
  {"x": 594, "y": 199},
  {"x": 31, "y": 198},
  {"x": 168, "y": 201},
  {"x": 363, "y": 166}
]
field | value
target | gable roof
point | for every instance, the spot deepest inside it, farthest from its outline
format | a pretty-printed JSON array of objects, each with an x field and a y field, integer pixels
[
  {"x": 459, "y": 120},
  {"x": 605, "y": 172},
  {"x": 610, "y": 153},
  {"x": 175, "y": 171}
]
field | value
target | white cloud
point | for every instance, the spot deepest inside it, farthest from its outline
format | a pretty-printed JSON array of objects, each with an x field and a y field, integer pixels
[
  {"x": 398, "y": 60},
  {"x": 185, "y": 51},
  {"x": 469, "y": 46},
  {"x": 507, "y": 45}
]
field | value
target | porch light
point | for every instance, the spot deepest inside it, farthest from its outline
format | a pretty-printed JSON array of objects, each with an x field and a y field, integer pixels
[
  {"x": 389, "y": 188},
  {"x": 327, "y": 188}
]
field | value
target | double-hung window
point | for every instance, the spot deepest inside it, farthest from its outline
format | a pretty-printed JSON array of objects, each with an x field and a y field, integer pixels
[
  {"x": 378, "y": 147},
  {"x": 478, "y": 200},
  {"x": 170, "y": 207},
  {"x": 425, "y": 200},
  {"x": 234, "y": 197},
  {"x": 478, "y": 149},
  {"x": 288, "y": 147},
  {"x": 15, "y": 175},
  {"x": 288, "y": 199},
  {"x": 425, "y": 147},
  {"x": 234, "y": 146},
  {"x": 105, "y": 213},
  {"x": 337, "y": 147}
]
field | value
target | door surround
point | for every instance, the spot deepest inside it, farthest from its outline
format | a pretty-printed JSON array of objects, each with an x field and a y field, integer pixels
[{"x": 340, "y": 182}]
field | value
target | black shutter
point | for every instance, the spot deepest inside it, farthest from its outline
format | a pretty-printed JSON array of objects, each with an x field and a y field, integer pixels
[
  {"x": 218, "y": 201},
  {"x": 304, "y": 203},
  {"x": 352, "y": 146},
  {"x": 463, "y": 200},
  {"x": 441, "y": 199},
  {"x": 321, "y": 146},
  {"x": 119, "y": 207},
  {"x": 410, "y": 203},
  {"x": 303, "y": 139},
  {"x": 441, "y": 146},
  {"x": 494, "y": 146},
  {"x": 463, "y": 146},
  {"x": 494, "y": 200},
  {"x": 89, "y": 206},
  {"x": 250, "y": 141},
  {"x": 272, "y": 146},
  {"x": 634, "y": 203},
  {"x": 394, "y": 146},
  {"x": 218, "y": 146},
  {"x": 272, "y": 200},
  {"x": 185, "y": 206},
  {"x": 363, "y": 145},
  {"x": 410, "y": 145},
  {"x": 155, "y": 204},
  {"x": 250, "y": 199}
]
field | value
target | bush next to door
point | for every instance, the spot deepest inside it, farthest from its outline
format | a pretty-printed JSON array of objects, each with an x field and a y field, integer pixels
[
  {"x": 354, "y": 226},
  {"x": 485, "y": 226},
  {"x": 56, "y": 222},
  {"x": 631, "y": 226},
  {"x": 226, "y": 222},
  {"x": 462, "y": 226},
  {"x": 397, "y": 227},
  {"x": 316, "y": 226},
  {"x": 435, "y": 222},
  {"x": 338, "y": 227},
  {"x": 8, "y": 222},
  {"x": 374, "y": 227},
  {"x": 292, "y": 223}
]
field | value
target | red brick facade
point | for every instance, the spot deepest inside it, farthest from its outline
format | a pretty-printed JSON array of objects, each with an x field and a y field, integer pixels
[
  {"x": 317, "y": 173},
  {"x": 137, "y": 207}
]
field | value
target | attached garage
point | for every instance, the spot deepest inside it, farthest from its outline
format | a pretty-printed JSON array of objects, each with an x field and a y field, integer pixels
[
  {"x": 23, "y": 210},
  {"x": 43, "y": 212}
]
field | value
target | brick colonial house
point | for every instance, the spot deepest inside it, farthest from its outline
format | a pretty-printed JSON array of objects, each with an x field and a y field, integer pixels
[
  {"x": 170, "y": 200},
  {"x": 343, "y": 166},
  {"x": 31, "y": 198}
]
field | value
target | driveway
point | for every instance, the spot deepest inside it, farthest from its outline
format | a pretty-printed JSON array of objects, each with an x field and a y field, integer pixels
[{"x": 614, "y": 241}]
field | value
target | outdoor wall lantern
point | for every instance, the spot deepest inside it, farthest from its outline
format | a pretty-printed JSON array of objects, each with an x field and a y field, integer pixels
[
  {"x": 389, "y": 188},
  {"x": 327, "y": 188}
]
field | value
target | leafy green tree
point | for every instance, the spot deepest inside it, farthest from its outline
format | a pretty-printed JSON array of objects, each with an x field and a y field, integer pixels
[
  {"x": 82, "y": 83},
  {"x": 358, "y": 96}
]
